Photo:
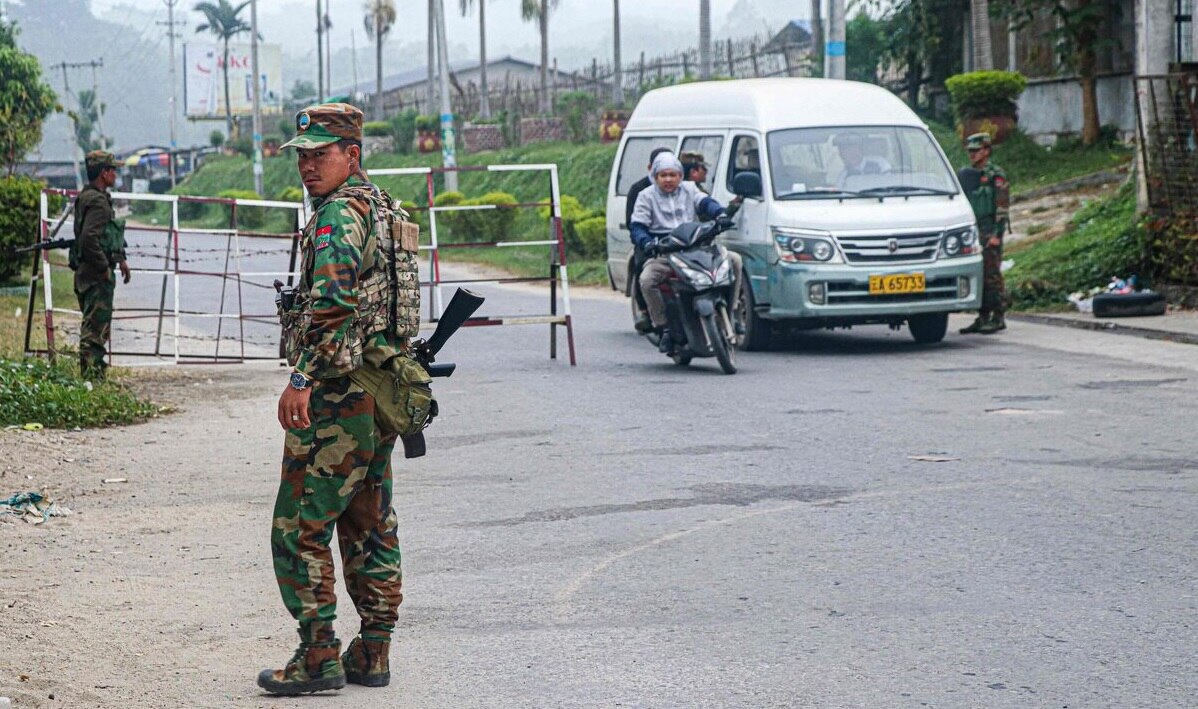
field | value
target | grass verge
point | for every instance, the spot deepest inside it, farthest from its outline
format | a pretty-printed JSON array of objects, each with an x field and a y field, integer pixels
[
  {"x": 34, "y": 390},
  {"x": 1104, "y": 240}
]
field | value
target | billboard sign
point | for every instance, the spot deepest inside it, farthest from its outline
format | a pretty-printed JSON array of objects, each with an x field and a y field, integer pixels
[{"x": 204, "y": 81}]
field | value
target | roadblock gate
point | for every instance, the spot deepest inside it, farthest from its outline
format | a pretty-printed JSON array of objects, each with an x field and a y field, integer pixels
[
  {"x": 242, "y": 314},
  {"x": 557, "y": 277}
]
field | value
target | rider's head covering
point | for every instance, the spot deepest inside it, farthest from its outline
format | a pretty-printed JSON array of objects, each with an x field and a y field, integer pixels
[{"x": 665, "y": 161}]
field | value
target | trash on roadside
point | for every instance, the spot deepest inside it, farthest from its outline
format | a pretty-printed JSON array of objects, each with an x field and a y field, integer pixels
[
  {"x": 1007, "y": 264},
  {"x": 115, "y": 480},
  {"x": 932, "y": 458},
  {"x": 33, "y": 427},
  {"x": 32, "y": 507}
]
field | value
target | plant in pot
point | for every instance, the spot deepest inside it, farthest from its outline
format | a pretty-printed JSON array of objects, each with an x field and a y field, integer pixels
[
  {"x": 428, "y": 136},
  {"x": 612, "y": 123},
  {"x": 984, "y": 102}
]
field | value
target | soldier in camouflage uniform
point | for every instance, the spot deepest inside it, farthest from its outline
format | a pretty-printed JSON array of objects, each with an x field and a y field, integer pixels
[
  {"x": 991, "y": 203},
  {"x": 336, "y": 463},
  {"x": 95, "y": 258}
]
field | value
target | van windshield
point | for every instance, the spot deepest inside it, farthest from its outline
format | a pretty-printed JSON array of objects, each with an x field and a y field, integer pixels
[{"x": 858, "y": 161}]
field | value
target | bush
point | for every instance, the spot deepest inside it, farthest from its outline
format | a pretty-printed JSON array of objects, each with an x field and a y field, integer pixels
[
  {"x": 979, "y": 94},
  {"x": 376, "y": 129},
  {"x": 247, "y": 217},
  {"x": 35, "y": 391},
  {"x": 576, "y": 109},
  {"x": 20, "y": 199},
  {"x": 216, "y": 138},
  {"x": 450, "y": 224},
  {"x": 403, "y": 131},
  {"x": 428, "y": 123},
  {"x": 592, "y": 236},
  {"x": 489, "y": 224},
  {"x": 572, "y": 214},
  {"x": 243, "y": 145},
  {"x": 290, "y": 194}
]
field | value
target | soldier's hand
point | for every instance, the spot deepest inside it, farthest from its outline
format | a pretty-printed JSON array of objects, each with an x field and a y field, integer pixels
[
  {"x": 125, "y": 273},
  {"x": 994, "y": 242},
  {"x": 293, "y": 408}
]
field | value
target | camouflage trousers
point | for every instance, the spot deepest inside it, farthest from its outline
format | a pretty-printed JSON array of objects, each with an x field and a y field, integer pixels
[
  {"x": 337, "y": 473},
  {"x": 96, "y": 305},
  {"x": 994, "y": 289}
]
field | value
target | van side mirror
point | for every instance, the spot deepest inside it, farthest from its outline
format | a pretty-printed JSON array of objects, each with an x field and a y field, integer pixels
[{"x": 747, "y": 184}]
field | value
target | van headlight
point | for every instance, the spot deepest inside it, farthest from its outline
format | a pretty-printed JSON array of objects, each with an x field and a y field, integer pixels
[
  {"x": 959, "y": 242},
  {"x": 805, "y": 246}
]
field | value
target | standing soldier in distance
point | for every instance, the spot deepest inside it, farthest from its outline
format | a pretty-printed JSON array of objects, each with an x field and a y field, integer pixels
[
  {"x": 991, "y": 202},
  {"x": 336, "y": 462},
  {"x": 98, "y": 250}
]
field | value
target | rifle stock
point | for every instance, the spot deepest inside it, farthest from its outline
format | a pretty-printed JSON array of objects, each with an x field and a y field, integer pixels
[{"x": 460, "y": 308}]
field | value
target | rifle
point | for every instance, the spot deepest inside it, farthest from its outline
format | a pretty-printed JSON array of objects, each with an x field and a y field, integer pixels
[
  {"x": 460, "y": 308},
  {"x": 44, "y": 245}
]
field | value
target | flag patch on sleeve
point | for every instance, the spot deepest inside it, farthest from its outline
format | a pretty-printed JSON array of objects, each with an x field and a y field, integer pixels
[{"x": 323, "y": 237}]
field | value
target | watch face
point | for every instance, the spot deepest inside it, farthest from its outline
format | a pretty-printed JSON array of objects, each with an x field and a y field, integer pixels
[{"x": 298, "y": 381}]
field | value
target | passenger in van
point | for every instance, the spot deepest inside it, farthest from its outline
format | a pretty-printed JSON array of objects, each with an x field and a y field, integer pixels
[
  {"x": 852, "y": 153},
  {"x": 694, "y": 168},
  {"x": 670, "y": 202}
]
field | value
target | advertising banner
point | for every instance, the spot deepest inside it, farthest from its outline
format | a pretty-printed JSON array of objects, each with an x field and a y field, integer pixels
[{"x": 203, "y": 79}]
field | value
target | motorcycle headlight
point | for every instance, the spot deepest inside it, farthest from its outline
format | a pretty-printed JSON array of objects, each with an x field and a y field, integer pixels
[
  {"x": 696, "y": 277},
  {"x": 723, "y": 274}
]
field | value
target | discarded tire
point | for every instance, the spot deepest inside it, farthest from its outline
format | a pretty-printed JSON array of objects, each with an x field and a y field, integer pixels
[{"x": 1123, "y": 305}]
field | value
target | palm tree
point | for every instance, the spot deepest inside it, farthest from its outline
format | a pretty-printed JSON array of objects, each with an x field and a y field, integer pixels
[
  {"x": 222, "y": 19},
  {"x": 484, "y": 107},
  {"x": 539, "y": 10},
  {"x": 704, "y": 39},
  {"x": 983, "y": 58},
  {"x": 380, "y": 17}
]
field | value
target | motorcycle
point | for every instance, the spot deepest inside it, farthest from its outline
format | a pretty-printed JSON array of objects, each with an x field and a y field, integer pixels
[{"x": 698, "y": 294}]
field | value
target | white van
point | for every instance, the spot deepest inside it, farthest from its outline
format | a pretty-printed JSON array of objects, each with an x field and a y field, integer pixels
[{"x": 852, "y": 214}]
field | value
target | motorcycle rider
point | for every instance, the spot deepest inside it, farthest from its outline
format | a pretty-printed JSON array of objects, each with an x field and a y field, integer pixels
[
  {"x": 638, "y": 257},
  {"x": 660, "y": 208}
]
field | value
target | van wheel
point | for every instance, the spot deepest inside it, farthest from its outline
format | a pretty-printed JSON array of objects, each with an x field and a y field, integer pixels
[
  {"x": 928, "y": 329},
  {"x": 759, "y": 332}
]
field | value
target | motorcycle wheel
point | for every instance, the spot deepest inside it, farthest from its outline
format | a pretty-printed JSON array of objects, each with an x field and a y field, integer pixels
[{"x": 724, "y": 353}]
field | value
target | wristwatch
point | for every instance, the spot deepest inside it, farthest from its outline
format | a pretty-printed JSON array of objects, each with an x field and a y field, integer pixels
[{"x": 299, "y": 381}]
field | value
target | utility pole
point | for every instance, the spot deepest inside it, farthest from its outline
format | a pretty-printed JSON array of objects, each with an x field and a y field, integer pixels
[
  {"x": 328, "y": 45},
  {"x": 431, "y": 89},
  {"x": 617, "y": 95},
  {"x": 834, "y": 50},
  {"x": 66, "y": 89},
  {"x": 257, "y": 94},
  {"x": 319, "y": 53},
  {"x": 96, "y": 99},
  {"x": 448, "y": 147},
  {"x": 353, "y": 49},
  {"x": 174, "y": 103}
]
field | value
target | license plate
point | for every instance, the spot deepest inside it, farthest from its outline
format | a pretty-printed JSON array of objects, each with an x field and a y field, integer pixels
[{"x": 897, "y": 283}]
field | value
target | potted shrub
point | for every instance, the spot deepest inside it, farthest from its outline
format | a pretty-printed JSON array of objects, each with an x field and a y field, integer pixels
[
  {"x": 984, "y": 102},
  {"x": 428, "y": 135},
  {"x": 612, "y": 124}
]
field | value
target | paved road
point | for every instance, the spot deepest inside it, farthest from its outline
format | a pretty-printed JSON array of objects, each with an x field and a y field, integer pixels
[{"x": 628, "y": 533}]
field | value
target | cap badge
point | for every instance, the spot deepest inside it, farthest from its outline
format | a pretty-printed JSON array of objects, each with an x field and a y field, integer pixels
[{"x": 303, "y": 121}]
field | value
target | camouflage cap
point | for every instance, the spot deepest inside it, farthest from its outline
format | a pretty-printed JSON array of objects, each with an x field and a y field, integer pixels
[
  {"x": 101, "y": 158},
  {"x": 977, "y": 141},
  {"x": 324, "y": 124},
  {"x": 692, "y": 159}
]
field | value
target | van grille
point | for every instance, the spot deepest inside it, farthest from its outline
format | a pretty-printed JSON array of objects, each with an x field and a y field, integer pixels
[
  {"x": 847, "y": 292},
  {"x": 887, "y": 248}
]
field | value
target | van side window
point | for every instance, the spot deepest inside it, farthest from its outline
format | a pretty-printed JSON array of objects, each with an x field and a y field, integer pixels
[
  {"x": 634, "y": 163},
  {"x": 745, "y": 157},
  {"x": 709, "y": 146}
]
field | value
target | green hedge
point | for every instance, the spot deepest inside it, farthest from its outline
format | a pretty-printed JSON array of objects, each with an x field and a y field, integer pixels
[
  {"x": 489, "y": 224},
  {"x": 592, "y": 236},
  {"x": 247, "y": 217},
  {"x": 573, "y": 213},
  {"x": 985, "y": 93},
  {"x": 376, "y": 129},
  {"x": 20, "y": 205},
  {"x": 290, "y": 194}
]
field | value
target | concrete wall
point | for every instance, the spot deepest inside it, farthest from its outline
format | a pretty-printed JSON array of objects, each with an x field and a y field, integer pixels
[{"x": 1052, "y": 108}]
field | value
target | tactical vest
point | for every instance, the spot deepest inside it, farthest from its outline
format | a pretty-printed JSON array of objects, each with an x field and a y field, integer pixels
[
  {"x": 984, "y": 200},
  {"x": 388, "y": 281},
  {"x": 112, "y": 241}
]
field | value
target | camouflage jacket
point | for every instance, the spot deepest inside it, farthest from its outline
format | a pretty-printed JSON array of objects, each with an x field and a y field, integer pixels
[
  {"x": 93, "y": 212},
  {"x": 991, "y": 201},
  {"x": 335, "y": 246}
]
